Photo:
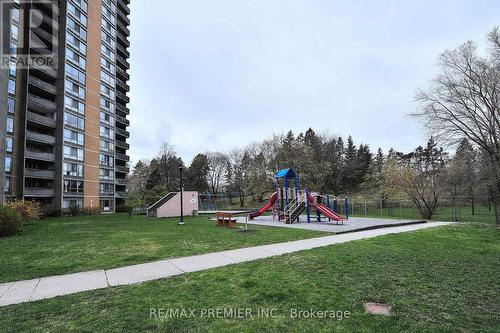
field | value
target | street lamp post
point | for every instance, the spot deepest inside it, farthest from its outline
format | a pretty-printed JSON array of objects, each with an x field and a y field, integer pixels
[{"x": 181, "y": 169}]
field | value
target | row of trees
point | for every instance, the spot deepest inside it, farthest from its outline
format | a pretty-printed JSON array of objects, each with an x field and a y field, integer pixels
[{"x": 324, "y": 164}]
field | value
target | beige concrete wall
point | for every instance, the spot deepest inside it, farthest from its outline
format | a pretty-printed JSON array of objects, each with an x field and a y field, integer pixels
[
  {"x": 172, "y": 207},
  {"x": 92, "y": 115}
]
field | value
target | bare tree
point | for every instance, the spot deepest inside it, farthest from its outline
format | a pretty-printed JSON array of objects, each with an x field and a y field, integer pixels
[
  {"x": 463, "y": 100},
  {"x": 218, "y": 164},
  {"x": 420, "y": 175}
]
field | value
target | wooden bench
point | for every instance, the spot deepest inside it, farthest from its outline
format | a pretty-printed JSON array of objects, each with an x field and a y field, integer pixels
[{"x": 226, "y": 220}]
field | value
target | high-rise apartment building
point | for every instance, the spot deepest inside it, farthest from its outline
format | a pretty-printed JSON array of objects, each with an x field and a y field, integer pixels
[{"x": 63, "y": 102}]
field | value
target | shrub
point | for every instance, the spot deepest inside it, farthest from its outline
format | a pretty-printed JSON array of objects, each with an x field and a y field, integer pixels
[
  {"x": 124, "y": 209},
  {"x": 74, "y": 210},
  {"x": 10, "y": 221},
  {"x": 91, "y": 211},
  {"x": 28, "y": 210},
  {"x": 52, "y": 213}
]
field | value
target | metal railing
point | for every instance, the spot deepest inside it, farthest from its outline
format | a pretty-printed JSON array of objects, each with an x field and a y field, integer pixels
[{"x": 293, "y": 205}]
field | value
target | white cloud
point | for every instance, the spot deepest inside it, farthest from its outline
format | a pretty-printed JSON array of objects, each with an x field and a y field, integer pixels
[{"x": 211, "y": 75}]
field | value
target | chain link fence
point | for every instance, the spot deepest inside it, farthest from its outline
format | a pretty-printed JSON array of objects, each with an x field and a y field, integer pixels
[{"x": 458, "y": 209}]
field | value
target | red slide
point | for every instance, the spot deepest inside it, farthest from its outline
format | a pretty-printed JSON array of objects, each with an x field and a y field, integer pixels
[
  {"x": 328, "y": 212},
  {"x": 266, "y": 207}
]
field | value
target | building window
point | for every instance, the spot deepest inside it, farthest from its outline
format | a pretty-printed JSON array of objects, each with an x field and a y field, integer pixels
[
  {"x": 14, "y": 32},
  {"x": 7, "y": 187},
  {"x": 67, "y": 203},
  {"x": 73, "y": 137},
  {"x": 82, "y": 4},
  {"x": 107, "y": 91},
  {"x": 74, "y": 121},
  {"x": 75, "y": 73},
  {"x": 107, "y": 118},
  {"x": 106, "y": 160},
  {"x": 107, "y": 189},
  {"x": 76, "y": 43},
  {"x": 73, "y": 170},
  {"x": 76, "y": 58},
  {"x": 11, "y": 104},
  {"x": 10, "y": 125},
  {"x": 74, "y": 105},
  {"x": 106, "y": 174},
  {"x": 12, "y": 70},
  {"x": 107, "y": 146},
  {"x": 107, "y": 132},
  {"x": 106, "y": 205},
  {"x": 73, "y": 186},
  {"x": 15, "y": 14},
  {"x": 9, "y": 145},
  {"x": 8, "y": 164},
  {"x": 75, "y": 89},
  {"x": 77, "y": 28},
  {"x": 73, "y": 153},
  {"x": 12, "y": 87},
  {"x": 77, "y": 13}
]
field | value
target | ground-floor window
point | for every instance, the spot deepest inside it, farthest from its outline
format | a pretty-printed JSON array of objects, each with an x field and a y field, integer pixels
[
  {"x": 67, "y": 203},
  {"x": 107, "y": 205},
  {"x": 7, "y": 188}
]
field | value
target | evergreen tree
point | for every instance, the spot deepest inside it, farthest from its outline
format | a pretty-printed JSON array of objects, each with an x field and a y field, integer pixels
[
  {"x": 349, "y": 174},
  {"x": 196, "y": 174}
]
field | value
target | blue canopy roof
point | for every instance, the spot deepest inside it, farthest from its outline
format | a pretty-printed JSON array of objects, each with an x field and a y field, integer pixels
[{"x": 286, "y": 173}]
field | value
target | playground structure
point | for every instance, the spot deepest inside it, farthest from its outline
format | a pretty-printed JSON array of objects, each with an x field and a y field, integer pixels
[{"x": 287, "y": 204}]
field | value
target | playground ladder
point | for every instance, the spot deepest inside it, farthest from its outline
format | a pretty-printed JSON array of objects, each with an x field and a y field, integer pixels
[{"x": 294, "y": 208}]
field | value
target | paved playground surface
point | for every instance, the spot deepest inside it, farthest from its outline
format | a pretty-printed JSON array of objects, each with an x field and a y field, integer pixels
[
  {"x": 53, "y": 286},
  {"x": 352, "y": 225}
]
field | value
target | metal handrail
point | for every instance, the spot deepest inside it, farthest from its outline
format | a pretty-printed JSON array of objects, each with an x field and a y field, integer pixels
[{"x": 293, "y": 204}]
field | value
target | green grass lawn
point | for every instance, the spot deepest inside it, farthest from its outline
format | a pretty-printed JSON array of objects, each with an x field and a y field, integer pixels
[
  {"x": 440, "y": 279},
  {"x": 73, "y": 244}
]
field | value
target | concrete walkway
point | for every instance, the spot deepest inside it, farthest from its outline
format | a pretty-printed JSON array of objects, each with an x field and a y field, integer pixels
[
  {"x": 353, "y": 224},
  {"x": 53, "y": 286}
]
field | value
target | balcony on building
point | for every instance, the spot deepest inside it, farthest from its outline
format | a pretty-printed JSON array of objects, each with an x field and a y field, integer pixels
[
  {"x": 43, "y": 155},
  {"x": 122, "y": 169},
  {"x": 44, "y": 73},
  {"x": 46, "y": 120},
  {"x": 122, "y": 120},
  {"x": 122, "y": 50},
  {"x": 123, "y": 5},
  {"x": 122, "y": 157},
  {"x": 122, "y": 86},
  {"x": 123, "y": 40},
  {"x": 32, "y": 135},
  {"x": 39, "y": 192},
  {"x": 46, "y": 18},
  {"x": 46, "y": 38},
  {"x": 122, "y": 109},
  {"x": 122, "y": 62},
  {"x": 39, "y": 174},
  {"x": 122, "y": 181},
  {"x": 122, "y": 144},
  {"x": 41, "y": 105},
  {"x": 49, "y": 8},
  {"x": 42, "y": 88},
  {"x": 122, "y": 14},
  {"x": 122, "y": 74},
  {"x": 122, "y": 28},
  {"x": 121, "y": 97}
]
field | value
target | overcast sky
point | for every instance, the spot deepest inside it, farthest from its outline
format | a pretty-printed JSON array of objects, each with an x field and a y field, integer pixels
[{"x": 212, "y": 75}]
